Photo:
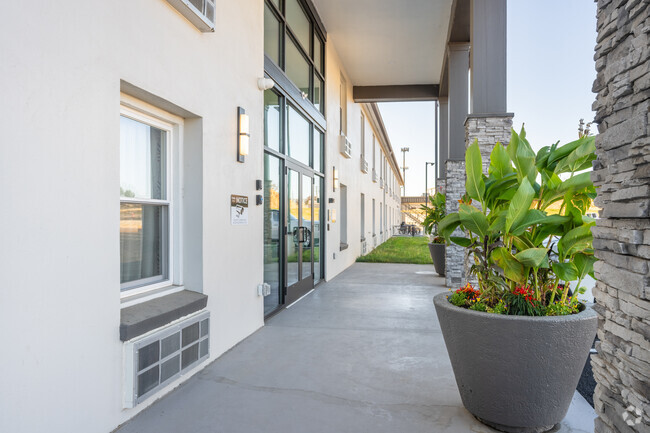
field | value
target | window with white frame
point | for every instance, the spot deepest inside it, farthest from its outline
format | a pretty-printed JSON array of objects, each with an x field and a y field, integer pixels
[
  {"x": 149, "y": 140},
  {"x": 198, "y": 12}
]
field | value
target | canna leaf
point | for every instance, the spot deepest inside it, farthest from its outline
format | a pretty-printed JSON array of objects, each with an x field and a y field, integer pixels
[
  {"x": 500, "y": 164},
  {"x": 473, "y": 220},
  {"x": 519, "y": 204},
  {"x": 577, "y": 182},
  {"x": 532, "y": 257},
  {"x": 542, "y": 157},
  {"x": 448, "y": 224},
  {"x": 463, "y": 242},
  {"x": 584, "y": 264},
  {"x": 565, "y": 271},
  {"x": 512, "y": 269},
  {"x": 525, "y": 161},
  {"x": 475, "y": 185},
  {"x": 531, "y": 217},
  {"x": 575, "y": 241},
  {"x": 499, "y": 222},
  {"x": 562, "y": 152}
]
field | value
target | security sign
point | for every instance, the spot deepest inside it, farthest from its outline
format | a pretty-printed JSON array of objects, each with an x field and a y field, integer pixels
[{"x": 238, "y": 210}]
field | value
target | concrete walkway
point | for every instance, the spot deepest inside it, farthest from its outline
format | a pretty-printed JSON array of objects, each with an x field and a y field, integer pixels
[{"x": 362, "y": 353}]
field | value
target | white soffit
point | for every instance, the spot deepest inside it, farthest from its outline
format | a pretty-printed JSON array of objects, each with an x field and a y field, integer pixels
[{"x": 388, "y": 42}]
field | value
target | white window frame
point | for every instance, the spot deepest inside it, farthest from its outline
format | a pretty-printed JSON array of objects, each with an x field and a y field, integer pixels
[
  {"x": 195, "y": 16},
  {"x": 142, "y": 112}
]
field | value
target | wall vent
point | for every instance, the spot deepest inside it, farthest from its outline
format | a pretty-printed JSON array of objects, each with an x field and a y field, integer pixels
[
  {"x": 153, "y": 360},
  {"x": 346, "y": 146}
]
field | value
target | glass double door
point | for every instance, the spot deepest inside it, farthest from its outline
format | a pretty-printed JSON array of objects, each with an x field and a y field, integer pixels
[{"x": 300, "y": 236}]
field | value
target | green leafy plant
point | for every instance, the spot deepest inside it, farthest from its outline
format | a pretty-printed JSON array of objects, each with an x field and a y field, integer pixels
[
  {"x": 434, "y": 213},
  {"x": 514, "y": 240}
]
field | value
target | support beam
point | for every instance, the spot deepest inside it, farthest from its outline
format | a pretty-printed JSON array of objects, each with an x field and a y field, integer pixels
[
  {"x": 458, "y": 97},
  {"x": 443, "y": 144},
  {"x": 411, "y": 92},
  {"x": 488, "y": 56}
]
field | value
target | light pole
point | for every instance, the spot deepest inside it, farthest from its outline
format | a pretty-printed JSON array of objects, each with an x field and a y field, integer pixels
[
  {"x": 426, "y": 181},
  {"x": 404, "y": 150}
]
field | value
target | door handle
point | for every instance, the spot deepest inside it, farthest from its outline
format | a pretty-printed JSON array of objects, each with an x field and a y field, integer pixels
[{"x": 299, "y": 234}]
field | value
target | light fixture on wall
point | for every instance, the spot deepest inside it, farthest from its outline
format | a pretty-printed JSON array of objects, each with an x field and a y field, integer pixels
[
  {"x": 265, "y": 83},
  {"x": 243, "y": 134},
  {"x": 335, "y": 179}
]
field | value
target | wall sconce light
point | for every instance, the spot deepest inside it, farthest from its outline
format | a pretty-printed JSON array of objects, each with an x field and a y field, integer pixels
[
  {"x": 335, "y": 179},
  {"x": 243, "y": 134},
  {"x": 265, "y": 83}
]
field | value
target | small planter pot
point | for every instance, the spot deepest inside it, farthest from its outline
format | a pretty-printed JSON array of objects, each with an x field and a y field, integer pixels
[
  {"x": 516, "y": 373},
  {"x": 438, "y": 256}
]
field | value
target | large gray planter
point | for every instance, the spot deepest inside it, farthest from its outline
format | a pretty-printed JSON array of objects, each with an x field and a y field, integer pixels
[
  {"x": 516, "y": 373},
  {"x": 438, "y": 256}
]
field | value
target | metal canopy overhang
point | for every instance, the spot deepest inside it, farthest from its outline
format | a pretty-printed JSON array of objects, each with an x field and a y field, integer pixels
[{"x": 390, "y": 50}]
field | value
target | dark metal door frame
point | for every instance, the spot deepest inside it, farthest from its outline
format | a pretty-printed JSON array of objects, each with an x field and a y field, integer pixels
[{"x": 304, "y": 285}]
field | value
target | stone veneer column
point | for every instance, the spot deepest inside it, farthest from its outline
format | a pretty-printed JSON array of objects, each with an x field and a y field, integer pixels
[
  {"x": 622, "y": 234},
  {"x": 454, "y": 254},
  {"x": 488, "y": 129}
]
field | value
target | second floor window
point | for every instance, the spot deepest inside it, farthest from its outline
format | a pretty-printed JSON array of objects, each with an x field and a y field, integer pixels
[{"x": 294, "y": 42}]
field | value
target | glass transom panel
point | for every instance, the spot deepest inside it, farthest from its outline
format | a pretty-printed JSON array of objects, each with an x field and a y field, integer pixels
[{"x": 298, "y": 22}]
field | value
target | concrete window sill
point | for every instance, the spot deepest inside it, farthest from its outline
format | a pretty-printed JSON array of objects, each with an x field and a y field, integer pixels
[
  {"x": 147, "y": 316},
  {"x": 343, "y": 247}
]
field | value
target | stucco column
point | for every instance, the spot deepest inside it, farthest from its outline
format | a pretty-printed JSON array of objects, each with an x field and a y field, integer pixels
[
  {"x": 458, "y": 64},
  {"x": 488, "y": 56},
  {"x": 622, "y": 233},
  {"x": 457, "y": 100}
]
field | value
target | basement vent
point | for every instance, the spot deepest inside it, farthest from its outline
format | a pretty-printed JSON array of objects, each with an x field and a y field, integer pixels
[{"x": 157, "y": 358}]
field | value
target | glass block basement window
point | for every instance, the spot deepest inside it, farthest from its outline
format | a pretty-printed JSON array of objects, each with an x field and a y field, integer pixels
[{"x": 154, "y": 360}]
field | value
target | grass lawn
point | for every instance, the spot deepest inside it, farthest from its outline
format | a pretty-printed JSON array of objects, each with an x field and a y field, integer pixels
[{"x": 400, "y": 250}]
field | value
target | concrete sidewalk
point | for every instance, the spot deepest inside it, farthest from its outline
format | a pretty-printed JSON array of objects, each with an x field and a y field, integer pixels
[{"x": 362, "y": 353}]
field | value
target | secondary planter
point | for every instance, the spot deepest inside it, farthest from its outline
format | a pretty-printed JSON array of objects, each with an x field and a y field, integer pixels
[
  {"x": 438, "y": 256},
  {"x": 516, "y": 373}
]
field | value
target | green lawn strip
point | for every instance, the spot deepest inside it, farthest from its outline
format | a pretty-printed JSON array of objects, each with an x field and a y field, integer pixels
[{"x": 412, "y": 250}]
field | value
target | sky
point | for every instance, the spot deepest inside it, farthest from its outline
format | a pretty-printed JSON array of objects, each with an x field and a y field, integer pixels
[{"x": 550, "y": 71}]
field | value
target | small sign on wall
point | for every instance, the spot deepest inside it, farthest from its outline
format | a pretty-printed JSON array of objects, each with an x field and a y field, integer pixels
[{"x": 238, "y": 210}]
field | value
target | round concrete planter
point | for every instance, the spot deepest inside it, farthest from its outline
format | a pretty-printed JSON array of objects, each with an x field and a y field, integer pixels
[
  {"x": 516, "y": 373},
  {"x": 438, "y": 256}
]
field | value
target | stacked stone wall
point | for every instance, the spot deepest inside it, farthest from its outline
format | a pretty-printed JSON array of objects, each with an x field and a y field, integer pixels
[
  {"x": 622, "y": 234},
  {"x": 454, "y": 254},
  {"x": 489, "y": 130}
]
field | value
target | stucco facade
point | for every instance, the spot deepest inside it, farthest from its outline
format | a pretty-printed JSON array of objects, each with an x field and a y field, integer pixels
[{"x": 64, "y": 78}]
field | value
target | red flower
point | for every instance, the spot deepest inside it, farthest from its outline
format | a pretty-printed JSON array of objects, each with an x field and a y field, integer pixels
[
  {"x": 469, "y": 291},
  {"x": 526, "y": 292}
]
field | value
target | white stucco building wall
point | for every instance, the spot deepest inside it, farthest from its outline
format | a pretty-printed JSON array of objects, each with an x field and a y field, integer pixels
[
  {"x": 63, "y": 69},
  {"x": 59, "y": 175},
  {"x": 350, "y": 174}
]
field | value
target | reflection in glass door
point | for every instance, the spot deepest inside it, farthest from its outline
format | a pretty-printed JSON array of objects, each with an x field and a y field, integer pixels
[
  {"x": 316, "y": 234},
  {"x": 273, "y": 227},
  {"x": 308, "y": 229},
  {"x": 293, "y": 212},
  {"x": 299, "y": 238}
]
